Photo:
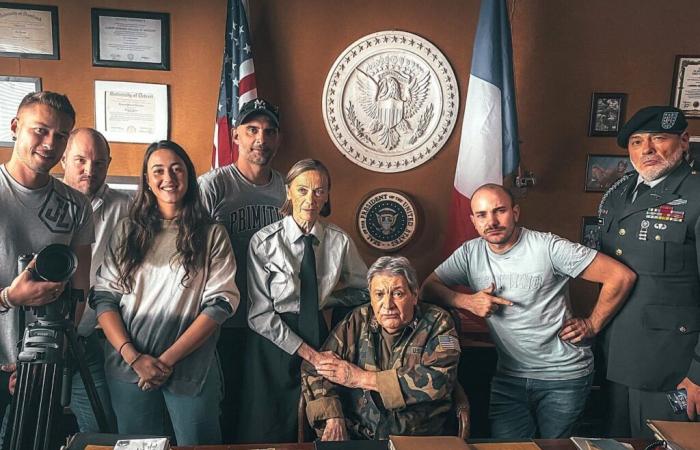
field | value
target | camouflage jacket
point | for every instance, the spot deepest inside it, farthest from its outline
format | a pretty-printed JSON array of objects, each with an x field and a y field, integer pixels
[{"x": 414, "y": 397}]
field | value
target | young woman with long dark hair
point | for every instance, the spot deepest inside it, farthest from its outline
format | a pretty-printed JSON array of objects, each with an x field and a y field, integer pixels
[{"x": 165, "y": 287}]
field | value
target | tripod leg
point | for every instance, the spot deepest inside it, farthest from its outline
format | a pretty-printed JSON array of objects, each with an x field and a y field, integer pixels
[
  {"x": 78, "y": 354},
  {"x": 48, "y": 394},
  {"x": 32, "y": 413}
]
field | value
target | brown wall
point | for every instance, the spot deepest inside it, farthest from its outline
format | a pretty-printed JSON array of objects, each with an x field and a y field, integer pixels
[{"x": 564, "y": 50}]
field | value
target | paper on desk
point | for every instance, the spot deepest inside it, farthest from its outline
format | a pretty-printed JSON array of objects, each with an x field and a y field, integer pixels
[
  {"x": 582, "y": 443},
  {"x": 143, "y": 444}
]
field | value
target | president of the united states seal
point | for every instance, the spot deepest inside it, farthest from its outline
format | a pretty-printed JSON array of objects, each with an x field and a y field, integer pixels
[{"x": 390, "y": 101}]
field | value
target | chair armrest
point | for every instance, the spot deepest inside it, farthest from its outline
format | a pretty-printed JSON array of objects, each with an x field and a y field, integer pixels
[
  {"x": 461, "y": 409},
  {"x": 301, "y": 418}
]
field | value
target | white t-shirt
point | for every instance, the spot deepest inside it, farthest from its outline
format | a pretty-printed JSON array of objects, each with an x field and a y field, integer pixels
[{"x": 534, "y": 275}]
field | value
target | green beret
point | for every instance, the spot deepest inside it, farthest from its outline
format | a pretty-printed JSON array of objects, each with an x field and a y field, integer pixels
[
  {"x": 653, "y": 119},
  {"x": 257, "y": 107}
]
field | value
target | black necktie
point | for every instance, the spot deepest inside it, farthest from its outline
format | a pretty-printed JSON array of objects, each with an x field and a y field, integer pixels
[
  {"x": 641, "y": 189},
  {"x": 308, "y": 311}
]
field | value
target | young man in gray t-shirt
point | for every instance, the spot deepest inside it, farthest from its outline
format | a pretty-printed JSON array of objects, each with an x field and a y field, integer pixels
[
  {"x": 37, "y": 210},
  {"x": 245, "y": 197},
  {"x": 520, "y": 279}
]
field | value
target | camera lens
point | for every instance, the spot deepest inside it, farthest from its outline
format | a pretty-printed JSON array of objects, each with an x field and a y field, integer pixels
[{"x": 56, "y": 262}]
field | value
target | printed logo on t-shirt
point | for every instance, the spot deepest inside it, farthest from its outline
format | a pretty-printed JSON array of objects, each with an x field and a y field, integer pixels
[
  {"x": 253, "y": 217},
  {"x": 58, "y": 213},
  {"x": 520, "y": 281}
]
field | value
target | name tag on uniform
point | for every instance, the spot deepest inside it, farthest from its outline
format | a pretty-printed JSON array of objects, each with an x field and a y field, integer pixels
[{"x": 415, "y": 350}]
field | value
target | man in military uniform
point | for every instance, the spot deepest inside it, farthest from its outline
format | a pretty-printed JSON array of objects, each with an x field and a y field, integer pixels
[
  {"x": 650, "y": 220},
  {"x": 373, "y": 380}
]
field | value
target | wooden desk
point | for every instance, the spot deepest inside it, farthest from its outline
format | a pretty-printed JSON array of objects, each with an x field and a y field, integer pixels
[{"x": 544, "y": 444}]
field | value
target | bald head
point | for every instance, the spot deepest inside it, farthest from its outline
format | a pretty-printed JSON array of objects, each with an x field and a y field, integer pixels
[
  {"x": 495, "y": 215},
  {"x": 496, "y": 189},
  {"x": 86, "y": 160}
]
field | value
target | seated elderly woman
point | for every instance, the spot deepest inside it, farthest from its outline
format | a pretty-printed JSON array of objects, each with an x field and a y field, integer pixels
[{"x": 393, "y": 364}]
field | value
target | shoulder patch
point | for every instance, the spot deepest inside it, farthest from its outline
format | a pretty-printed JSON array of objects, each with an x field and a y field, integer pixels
[{"x": 447, "y": 342}]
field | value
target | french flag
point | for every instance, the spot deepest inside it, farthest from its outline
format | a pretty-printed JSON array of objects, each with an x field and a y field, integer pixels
[{"x": 488, "y": 149}]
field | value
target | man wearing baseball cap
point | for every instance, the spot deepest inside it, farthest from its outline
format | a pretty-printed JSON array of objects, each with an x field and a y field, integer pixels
[
  {"x": 650, "y": 220},
  {"x": 245, "y": 197}
]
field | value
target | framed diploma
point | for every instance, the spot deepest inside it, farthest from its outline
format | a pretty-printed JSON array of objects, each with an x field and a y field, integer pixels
[
  {"x": 12, "y": 91},
  {"x": 686, "y": 85},
  {"x": 132, "y": 39},
  {"x": 131, "y": 112},
  {"x": 28, "y": 31}
]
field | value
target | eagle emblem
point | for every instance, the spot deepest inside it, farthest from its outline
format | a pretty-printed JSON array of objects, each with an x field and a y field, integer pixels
[{"x": 390, "y": 99}]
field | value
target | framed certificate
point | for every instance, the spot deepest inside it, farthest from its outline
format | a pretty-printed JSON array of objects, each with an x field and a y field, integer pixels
[
  {"x": 28, "y": 31},
  {"x": 131, "y": 112},
  {"x": 12, "y": 91},
  {"x": 686, "y": 85},
  {"x": 132, "y": 39}
]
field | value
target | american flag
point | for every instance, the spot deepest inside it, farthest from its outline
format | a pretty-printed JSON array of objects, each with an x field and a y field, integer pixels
[{"x": 238, "y": 84}]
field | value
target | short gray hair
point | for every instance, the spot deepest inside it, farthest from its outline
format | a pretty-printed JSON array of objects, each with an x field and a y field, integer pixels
[{"x": 397, "y": 266}]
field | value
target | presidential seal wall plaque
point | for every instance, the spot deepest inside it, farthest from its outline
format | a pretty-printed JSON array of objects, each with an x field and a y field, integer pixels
[
  {"x": 390, "y": 101},
  {"x": 386, "y": 219}
]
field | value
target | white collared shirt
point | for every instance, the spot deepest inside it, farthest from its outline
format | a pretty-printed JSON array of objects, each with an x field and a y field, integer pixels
[
  {"x": 274, "y": 261},
  {"x": 108, "y": 207}
]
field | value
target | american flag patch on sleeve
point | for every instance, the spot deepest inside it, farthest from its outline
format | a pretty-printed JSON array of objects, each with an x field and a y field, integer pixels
[{"x": 448, "y": 342}]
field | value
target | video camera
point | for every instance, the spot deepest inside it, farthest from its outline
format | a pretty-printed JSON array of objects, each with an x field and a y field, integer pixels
[{"x": 58, "y": 263}]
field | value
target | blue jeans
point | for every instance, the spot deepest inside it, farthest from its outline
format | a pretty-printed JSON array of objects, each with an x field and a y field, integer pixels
[
  {"x": 195, "y": 419},
  {"x": 79, "y": 403},
  {"x": 520, "y": 407}
]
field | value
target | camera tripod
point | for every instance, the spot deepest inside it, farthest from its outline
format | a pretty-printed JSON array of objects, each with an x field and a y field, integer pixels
[{"x": 44, "y": 382}]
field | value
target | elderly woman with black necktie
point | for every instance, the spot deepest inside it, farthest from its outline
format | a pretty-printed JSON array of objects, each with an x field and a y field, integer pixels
[{"x": 297, "y": 268}]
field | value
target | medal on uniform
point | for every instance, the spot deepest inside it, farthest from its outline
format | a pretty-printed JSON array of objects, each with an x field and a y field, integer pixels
[
  {"x": 665, "y": 212},
  {"x": 644, "y": 230}
]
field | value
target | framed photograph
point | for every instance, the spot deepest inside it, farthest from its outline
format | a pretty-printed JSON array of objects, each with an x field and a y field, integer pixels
[
  {"x": 685, "y": 94},
  {"x": 126, "y": 184},
  {"x": 607, "y": 113},
  {"x": 590, "y": 232},
  {"x": 28, "y": 31},
  {"x": 604, "y": 170},
  {"x": 131, "y": 39},
  {"x": 131, "y": 112},
  {"x": 12, "y": 91}
]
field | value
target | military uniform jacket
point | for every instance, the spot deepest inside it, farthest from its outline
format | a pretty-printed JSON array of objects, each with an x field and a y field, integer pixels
[
  {"x": 415, "y": 394},
  {"x": 652, "y": 342}
]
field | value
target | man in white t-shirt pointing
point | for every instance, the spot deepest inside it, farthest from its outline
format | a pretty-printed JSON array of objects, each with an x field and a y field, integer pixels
[{"x": 520, "y": 278}]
